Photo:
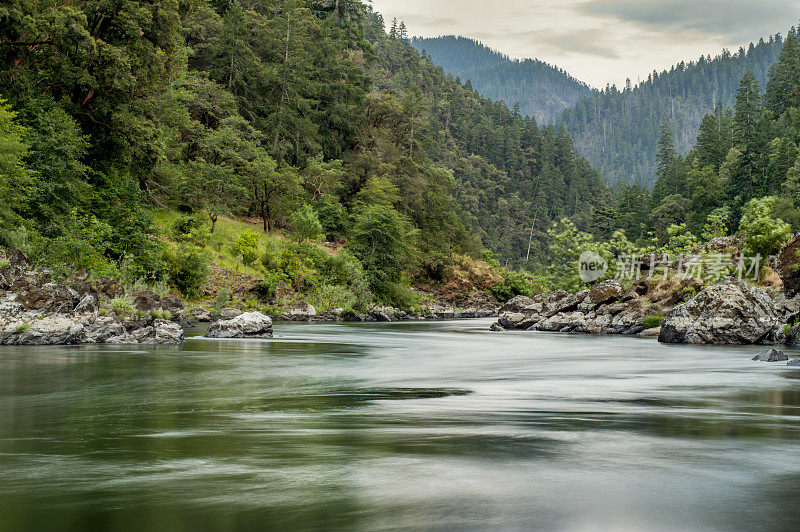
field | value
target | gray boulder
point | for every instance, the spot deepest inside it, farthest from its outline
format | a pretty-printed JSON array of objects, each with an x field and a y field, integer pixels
[
  {"x": 794, "y": 362},
  {"x": 247, "y": 325},
  {"x": 771, "y": 355},
  {"x": 516, "y": 304},
  {"x": 730, "y": 312}
]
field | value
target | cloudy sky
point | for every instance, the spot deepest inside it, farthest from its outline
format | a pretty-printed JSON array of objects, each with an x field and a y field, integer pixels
[{"x": 600, "y": 41}]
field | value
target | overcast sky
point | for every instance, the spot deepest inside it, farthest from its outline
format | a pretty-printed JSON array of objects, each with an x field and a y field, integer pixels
[{"x": 599, "y": 41}]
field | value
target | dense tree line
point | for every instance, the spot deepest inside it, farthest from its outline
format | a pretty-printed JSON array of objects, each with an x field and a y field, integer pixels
[
  {"x": 303, "y": 114},
  {"x": 743, "y": 175},
  {"x": 534, "y": 87}
]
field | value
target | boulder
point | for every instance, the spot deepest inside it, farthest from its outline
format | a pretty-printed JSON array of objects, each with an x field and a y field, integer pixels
[
  {"x": 516, "y": 304},
  {"x": 49, "y": 297},
  {"x": 771, "y": 355},
  {"x": 559, "y": 301},
  {"x": 87, "y": 304},
  {"x": 301, "y": 311},
  {"x": 247, "y": 325},
  {"x": 167, "y": 332},
  {"x": 145, "y": 300},
  {"x": 606, "y": 292},
  {"x": 787, "y": 264},
  {"x": 794, "y": 362},
  {"x": 730, "y": 312}
]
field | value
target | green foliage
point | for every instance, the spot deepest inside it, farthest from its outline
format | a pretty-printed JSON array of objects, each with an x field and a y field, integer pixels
[
  {"x": 764, "y": 234},
  {"x": 305, "y": 223},
  {"x": 122, "y": 306},
  {"x": 221, "y": 300},
  {"x": 22, "y": 328},
  {"x": 515, "y": 283},
  {"x": 187, "y": 269},
  {"x": 651, "y": 322},
  {"x": 190, "y": 228},
  {"x": 246, "y": 247}
]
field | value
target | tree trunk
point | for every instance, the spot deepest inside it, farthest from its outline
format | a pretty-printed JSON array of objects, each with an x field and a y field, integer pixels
[{"x": 213, "y": 217}]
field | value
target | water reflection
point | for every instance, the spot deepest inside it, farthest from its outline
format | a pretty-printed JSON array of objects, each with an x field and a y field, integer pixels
[{"x": 406, "y": 425}]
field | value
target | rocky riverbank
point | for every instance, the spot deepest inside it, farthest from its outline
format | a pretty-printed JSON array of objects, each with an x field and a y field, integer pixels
[
  {"x": 729, "y": 312},
  {"x": 36, "y": 310}
]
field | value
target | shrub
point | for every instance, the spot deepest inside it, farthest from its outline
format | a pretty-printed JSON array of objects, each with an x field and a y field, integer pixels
[
  {"x": 190, "y": 228},
  {"x": 764, "y": 233},
  {"x": 188, "y": 270},
  {"x": 514, "y": 284},
  {"x": 22, "y": 328},
  {"x": 5, "y": 263},
  {"x": 246, "y": 246},
  {"x": 122, "y": 305},
  {"x": 305, "y": 223},
  {"x": 328, "y": 297},
  {"x": 222, "y": 299},
  {"x": 651, "y": 322}
]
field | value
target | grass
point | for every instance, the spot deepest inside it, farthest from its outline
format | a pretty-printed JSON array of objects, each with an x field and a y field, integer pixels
[
  {"x": 22, "y": 328},
  {"x": 650, "y": 322},
  {"x": 122, "y": 305}
]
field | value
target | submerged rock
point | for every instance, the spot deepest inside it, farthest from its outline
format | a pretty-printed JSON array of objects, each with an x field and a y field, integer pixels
[
  {"x": 771, "y": 355},
  {"x": 794, "y": 362},
  {"x": 730, "y": 312},
  {"x": 247, "y": 325}
]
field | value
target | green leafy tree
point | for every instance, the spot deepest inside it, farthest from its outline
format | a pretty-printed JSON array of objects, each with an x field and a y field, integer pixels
[
  {"x": 763, "y": 232},
  {"x": 305, "y": 223}
]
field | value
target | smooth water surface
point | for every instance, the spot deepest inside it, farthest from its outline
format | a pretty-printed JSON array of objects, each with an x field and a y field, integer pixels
[{"x": 398, "y": 426}]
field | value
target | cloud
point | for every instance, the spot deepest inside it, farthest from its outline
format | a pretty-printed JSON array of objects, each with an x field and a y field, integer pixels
[
  {"x": 592, "y": 42},
  {"x": 733, "y": 21}
]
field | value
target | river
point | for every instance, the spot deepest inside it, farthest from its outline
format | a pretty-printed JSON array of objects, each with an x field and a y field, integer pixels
[{"x": 408, "y": 425}]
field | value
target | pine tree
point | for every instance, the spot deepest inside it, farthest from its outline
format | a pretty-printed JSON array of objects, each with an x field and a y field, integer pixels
[
  {"x": 402, "y": 32},
  {"x": 393, "y": 30},
  {"x": 783, "y": 88},
  {"x": 747, "y": 134}
]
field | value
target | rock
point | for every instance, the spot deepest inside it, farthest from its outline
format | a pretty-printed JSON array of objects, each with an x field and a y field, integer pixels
[
  {"x": 247, "y": 325},
  {"x": 49, "y": 297},
  {"x": 605, "y": 292},
  {"x": 788, "y": 267},
  {"x": 301, "y": 311},
  {"x": 497, "y": 327},
  {"x": 110, "y": 288},
  {"x": 378, "y": 315},
  {"x": 172, "y": 303},
  {"x": 200, "y": 314},
  {"x": 87, "y": 304},
  {"x": 167, "y": 332},
  {"x": 794, "y": 362},
  {"x": 771, "y": 355},
  {"x": 730, "y": 312},
  {"x": 650, "y": 333},
  {"x": 516, "y": 304},
  {"x": 145, "y": 300},
  {"x": 228, "y": 313},
  {"x": 559, "y": 301}
]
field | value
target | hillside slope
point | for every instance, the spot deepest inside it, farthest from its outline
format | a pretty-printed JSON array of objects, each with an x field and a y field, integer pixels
[
  {"x": 617, "y": 130},
  {"x": 541, "y": 90}
]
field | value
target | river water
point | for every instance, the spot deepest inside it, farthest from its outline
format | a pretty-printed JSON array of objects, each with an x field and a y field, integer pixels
[{"x": 431, "y": 425}]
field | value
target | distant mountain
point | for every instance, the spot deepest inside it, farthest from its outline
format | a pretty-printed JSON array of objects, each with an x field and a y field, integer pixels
[
  {"x": 541, "y": 90},
  {"x": 617, "y": 130}
]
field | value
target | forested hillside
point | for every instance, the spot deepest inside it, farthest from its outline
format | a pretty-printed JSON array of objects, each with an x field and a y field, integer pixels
[
  {"x": 537, "y": 88},
  {"x": 742, "y": 178},
  {"x": 617, "y": 129},
  {"x": 304, "y": 115}
]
